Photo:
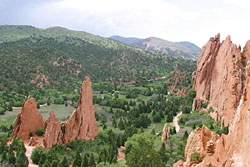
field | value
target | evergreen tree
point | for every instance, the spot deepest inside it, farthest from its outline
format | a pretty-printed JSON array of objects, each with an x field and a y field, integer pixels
[
  {"x": 22, "y": 160},
  {"x": 143, "y": 155},
  {"x": 85, "y": 162},
  {"x": 92, "y": 161},
  {"x": 3, "y": 156},
  {"x": 64, "y": 162},
  {"x": 54, "y": 163},
  {"x": 42, "y": 159},
  {"x": 77, "y": 160},
  {"x": 46, "y": 164},
  {"x": 194, "y": 127},
  {"x": 162, "y": 153},
  {"x": 11, "y": 158},
  {"x": 185, "y": 136},
  {"x": 36, "y": 155},
  {"x": 121, "y": 124}
]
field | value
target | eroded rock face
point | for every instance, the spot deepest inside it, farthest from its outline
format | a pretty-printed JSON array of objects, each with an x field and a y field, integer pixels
[
  {"x": 218, "y": 77},
  {"x": 165, "y": 133},
  {"x": 80, "y": 125},
  {"x": 233, "y": 90},
  {"x": 29, "y": 120}
]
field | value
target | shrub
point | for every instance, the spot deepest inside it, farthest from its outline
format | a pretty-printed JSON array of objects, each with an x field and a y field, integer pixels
[
  {"x": 157, "y": 118},
  {"x": 40, "y": 131},
  {"x": 195, "y": 157},
  {"x": 210, "y": 110},
  {"x": 36, "y": 154},
  {"x": 31, "y": 134}
]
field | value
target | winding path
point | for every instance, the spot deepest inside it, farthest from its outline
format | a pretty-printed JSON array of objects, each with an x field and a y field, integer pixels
[{"x": 175, "y": 122}]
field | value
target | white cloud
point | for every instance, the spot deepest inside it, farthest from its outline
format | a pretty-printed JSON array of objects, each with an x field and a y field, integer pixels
[{"x": 178, "y": 20}]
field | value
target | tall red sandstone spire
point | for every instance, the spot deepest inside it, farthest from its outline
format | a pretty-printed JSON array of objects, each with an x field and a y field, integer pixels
[{"x": 81, "y": 124}]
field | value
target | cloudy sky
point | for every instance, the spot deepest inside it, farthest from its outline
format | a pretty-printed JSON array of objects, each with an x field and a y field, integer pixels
[{"x": 175, "y": 20}]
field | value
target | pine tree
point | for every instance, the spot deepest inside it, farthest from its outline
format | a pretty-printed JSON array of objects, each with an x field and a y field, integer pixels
[
  {"x": 22, "y": 160},
  {"x": 92, "y": 161},
  {"x": 54, "y": 163},
  {"x": 46, "y": 164},
  {"x": 77, "y": 160},
  {"x": 85, "y": 162},
  {"x": 3, "y": 156},
  {"x": 11, "y": 158},
  {"x": 185, "y": 136},
  {"x": 64, "y": 162},
  {"x": 42, "y": 159}
]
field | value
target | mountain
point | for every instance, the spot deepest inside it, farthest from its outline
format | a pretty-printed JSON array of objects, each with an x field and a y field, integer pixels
[
  {"x": 179, "y": 49},
  {"x": 59, "y": 58},
  {"x": 126, "y": 40}
]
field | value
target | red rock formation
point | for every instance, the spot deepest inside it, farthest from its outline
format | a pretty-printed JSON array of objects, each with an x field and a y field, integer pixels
[
  {"x": 233, "y": 90},
  {"x": 29, "y": 120},
  {"x": 218, "y": 77},
  {"x": 165, "y": 133},
  {"x": 81, "y": 124}
]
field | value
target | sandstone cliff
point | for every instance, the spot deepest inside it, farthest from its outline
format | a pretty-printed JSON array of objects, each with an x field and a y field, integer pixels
[
  {"x": 29, "y": 120},
  {"x": 223, "y": 77},
  {"x": 80, "y": 125},
  {"x": 219, "y": 77}
]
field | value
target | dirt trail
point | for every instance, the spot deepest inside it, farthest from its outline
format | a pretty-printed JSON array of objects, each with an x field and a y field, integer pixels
[
  {"x": 175, "y": 122},
  {"x": 121, "y": 155},
  {"x": 28, "y": 154}
]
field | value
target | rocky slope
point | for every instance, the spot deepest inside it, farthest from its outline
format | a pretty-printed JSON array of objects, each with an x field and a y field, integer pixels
[
  {"x": 223, "y": 78},
  {"x": 80, "y": 125},
  {"x": 180, "y": 49}
]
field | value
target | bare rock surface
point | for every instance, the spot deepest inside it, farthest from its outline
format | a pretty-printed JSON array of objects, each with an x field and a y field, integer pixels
[
  {"x": 29, "y": 120},
  {"x": 165, "y": 133},
  {"x": 80, "y": 125},
  {"x": 223, "y": 78}
]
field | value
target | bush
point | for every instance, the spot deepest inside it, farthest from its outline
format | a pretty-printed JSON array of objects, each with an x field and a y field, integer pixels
[
  {"x": 17, "y": 104},
  {"x": 36, "y": 154},
  {"x": 31, "y": 134},
  {"x": 157, "y": 118},
  {"x": 195, "y": 157},
  {"x": 40, "y": 131}
]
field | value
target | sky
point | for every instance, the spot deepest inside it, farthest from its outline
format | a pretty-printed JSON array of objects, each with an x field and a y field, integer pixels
[{"x": 174, "y": 20}]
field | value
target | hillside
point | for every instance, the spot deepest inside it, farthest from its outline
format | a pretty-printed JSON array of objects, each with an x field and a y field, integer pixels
[
  {"x": 179, "y": 49},
  {"x": 126, "y": 40},
  {"x": 60, "y": 58}
]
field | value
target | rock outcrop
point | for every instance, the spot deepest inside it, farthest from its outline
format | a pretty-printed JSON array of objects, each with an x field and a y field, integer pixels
[
  {"x": 80, "y": 125},
  {"x": 223, "y": 77},
  {"x": 29, "y": 120},
  {"x": 165, "y": 133},
  {"x": 219, "y": 77}
]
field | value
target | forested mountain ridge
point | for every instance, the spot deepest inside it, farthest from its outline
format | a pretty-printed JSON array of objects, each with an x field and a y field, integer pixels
[{"x": 60, "y": 58}]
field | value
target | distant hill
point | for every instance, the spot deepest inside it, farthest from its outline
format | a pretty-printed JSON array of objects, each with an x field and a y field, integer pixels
[
  {"x": 60, "y": 58},
  {"x": 180, "y": 49},
  {"x": 126, "y": 40}
]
